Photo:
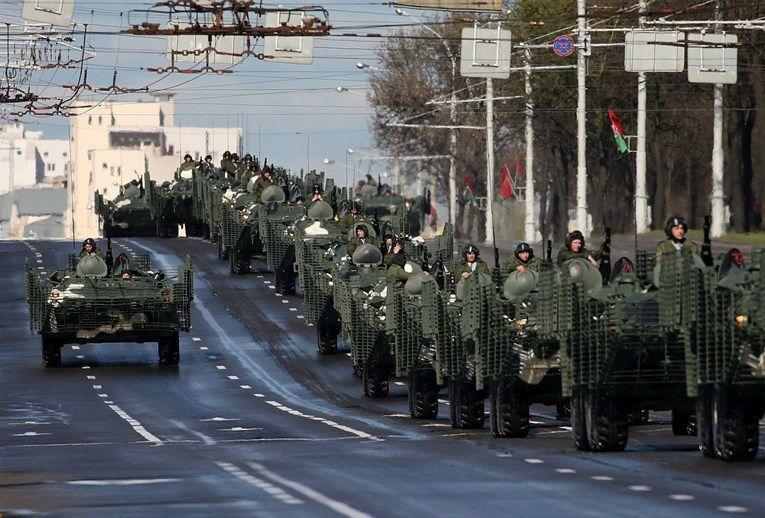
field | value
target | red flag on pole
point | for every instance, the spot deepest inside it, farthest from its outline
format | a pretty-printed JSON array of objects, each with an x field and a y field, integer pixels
[{"x": 506, "y": 187}]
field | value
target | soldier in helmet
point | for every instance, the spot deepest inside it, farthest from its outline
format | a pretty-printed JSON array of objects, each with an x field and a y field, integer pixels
[
  {"x": 359, "y": 239},
  {"x": 318, "y": 195},
  {"x": 676, "y": 229},
  {"x": 350, "y": 218},
  {"x": 265, "y": 180},
  {"x": 471, "y": 263},
  {"x": 387, "y": 248},
  {"x": 227, "y": 166},
  {"x": 522, "y": 259},
  {"x": 89, "y": 248},
  {"x": 575, "y": 249}
]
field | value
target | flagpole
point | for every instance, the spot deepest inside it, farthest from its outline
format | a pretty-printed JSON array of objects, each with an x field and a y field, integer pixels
[
  {"x": 530, "y": 226},
  {"x": 489, "y": 160},
  {"x": 641, "y": 198}
]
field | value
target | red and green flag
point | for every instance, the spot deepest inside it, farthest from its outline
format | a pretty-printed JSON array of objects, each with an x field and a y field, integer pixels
[
  {"x": 618, "y": 129},
  {"x": 506, "y": 184}
]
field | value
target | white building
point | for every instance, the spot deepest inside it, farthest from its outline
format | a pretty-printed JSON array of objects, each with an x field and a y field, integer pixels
[
  {"x": 114, "y": 143},
  {"x": 26, "y": 159}
]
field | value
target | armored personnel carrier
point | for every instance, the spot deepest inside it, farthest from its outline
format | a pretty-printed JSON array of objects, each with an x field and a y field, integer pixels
[
  {"x": 132, "y": 213},
  {"x": 87, "y": 303},
  {"x": 723, "y": 307},
  {"x": 277, "y": 220}
]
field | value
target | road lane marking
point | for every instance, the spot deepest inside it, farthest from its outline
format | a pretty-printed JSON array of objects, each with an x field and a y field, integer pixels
[
  {"x": 732, "y": 509},
  {"x": 245, "y": 387},
  {"x": 91, "y": 377},
  {"x": 196, "y": 339},
  {"x": 75, "y": 347},
  {"x": 277, "y": 492},
  {"x": 137, "y": 426},
  {"x": 204, "y": 349},
  {"x": 320, "y": 498},
  {"x": 327, "y": 422},
  {"x": 400, "y": 383},
  {"x": 239, "y": 429},
  {"x": 639, "y": 489},
  {"x": 534, "y": 461},
  {"x": 122, "y": 482},
  {"x": 80, "y": 357},
  {"x": 602, "y": 478},
  {"x": 259, "y": 395},
  {"x": 96, "y": 386},
  {"x": 682, "y": 498},
  {"x": 233, "y": 377},
  {"x": 30, "y": 434},
  {"x": 220, "y": 367},
  {"x": 565, "y": 470},
  {"x": 219, "y": 419}
]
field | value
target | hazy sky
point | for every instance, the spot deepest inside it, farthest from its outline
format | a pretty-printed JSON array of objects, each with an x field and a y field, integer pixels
[{"x": 283, "y": 99}]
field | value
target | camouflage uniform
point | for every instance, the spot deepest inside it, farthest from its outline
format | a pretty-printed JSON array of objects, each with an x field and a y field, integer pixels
[
  {"x": 465, "y": 267},
  {"x": 260, "y": 184},
  {"x": 513, "y": 263},
  {"x": 396, "y": 275},
  {"x": 348, "y": 221},
  {"x": 668, "y": 246},
  {"x": 565, "y": 254},
  {"x": 356, "y": 242}
]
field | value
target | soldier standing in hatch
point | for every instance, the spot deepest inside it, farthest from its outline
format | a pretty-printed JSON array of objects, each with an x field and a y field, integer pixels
[
  {"x": 523, "y": 259},
  {"x": 575, "y": 249},
  {"x": 361, "y": 238},
  {"x": 676, "y": 229},
  {"x": 387, "y": 248},
  {"x": 396, "y": 273},
  {"x": 187, "y": 165},
  {"x": 346, "y": 222},
  {"x": 472, "y": 263},
  {"x": 265, "y": 180},
  {"x": 89, "y": 248}
]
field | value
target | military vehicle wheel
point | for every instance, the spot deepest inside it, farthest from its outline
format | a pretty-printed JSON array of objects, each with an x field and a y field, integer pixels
[
  {"x": 607, "y": 425},
  {"x": 704, "y": 425},
  {"x": 375, "y": 380},
  {"x": 465, "y": 404},
  {"x": 169, "y": 351},
  {"x": 736, "y": 427},
  {"x": 493, "y": 421},
  {"x": 285, "y": 281},
  {"x": 681, "y": 422},
  {"x": 563, "y": 410},
  {"x": 326, "y": 337},
  {"x": 578, "y": 420},
  {"x": 639, "y": 417},
  {"x": 511, "y": 410},
  {"x": 166, "y": 229},
  {"x": 240, "y": 263},
  {"x": 222, "y": 254},
  {"x": 423, "y": 394},
  {"x": 51, "y": 352}
]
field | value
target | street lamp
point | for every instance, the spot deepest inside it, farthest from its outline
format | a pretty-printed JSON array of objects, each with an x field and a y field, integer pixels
[
  {"x": 452, "y": 115},
  {"x": 342, "y": 89},
  {"x": 362, "y": 66},
  {"x": 348, "y": 151},
  {"x": 328, "y": 161}
]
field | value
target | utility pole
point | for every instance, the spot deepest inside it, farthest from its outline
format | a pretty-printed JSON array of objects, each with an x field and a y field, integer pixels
[
  {"x": 718, "y": 166},
  {"x": 530, "y": 227},
  {"x": 581, "y": 119},
  {"x": 453, "y": 151},
  {"x": 489, "y": 161},
  {"x": 641, "y": 197}
]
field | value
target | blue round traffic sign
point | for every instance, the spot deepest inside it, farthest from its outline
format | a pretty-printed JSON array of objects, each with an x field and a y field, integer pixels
[{"x": 563, "y": 46}]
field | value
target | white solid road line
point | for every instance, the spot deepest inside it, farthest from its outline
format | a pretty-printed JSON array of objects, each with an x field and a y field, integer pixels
[
  {"x": 123, "y": 482},
  {"x": 327, "y": 422},
  {"x": 330, "y": 503},
  {"x": 137, "y": 426}
]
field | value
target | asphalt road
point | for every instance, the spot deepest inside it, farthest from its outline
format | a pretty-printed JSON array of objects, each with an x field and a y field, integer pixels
[{"x": 254, "y": 423}]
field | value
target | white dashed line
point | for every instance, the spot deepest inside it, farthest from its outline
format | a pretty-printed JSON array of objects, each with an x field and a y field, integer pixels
[
  {"x": 219, "y": 419},
  {"x": 86, "y": 367},
  {"x": 259, "y": 395},
  {"x": 639, "y": 489},
  {"x": 399, "y": 383},
  {"x": 534, "y": 461},
  {"x": 245, "y": 387},
  {"x": 327, "y": 422},
  {"x": 203, "y": 348},
  {"x": 293, "y": 309},
  {"x": 196, "y": 339},
  {"x": 96, "y": 387},
  {"x": 682, "y": 498},
  {"x": 348, "y": 355},
  {"x": 103, "y": 395},
  {"x": 272, "y": 287},
  {"x": 75, "y": 347},
  {"x": 233, "y": 377},
  {"x": 566, "y": 471},
  {"x": 30, "y": 434},
  {"x": 732, "y": 509},
  {"x": 285, "y": 301},
  {"x": 602, "y": 478},
  {"x": 238, "y": 429},
  {"x": 220, "y": 367},
  {"x": 80, "y": 356},
  {"x": 136, "y": 425},
  {"x": 302, "y": 317},
  {"x": 91, "y": 377}
]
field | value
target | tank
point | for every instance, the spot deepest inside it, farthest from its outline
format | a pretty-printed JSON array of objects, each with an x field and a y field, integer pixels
[{"x": 87, "y": 304}]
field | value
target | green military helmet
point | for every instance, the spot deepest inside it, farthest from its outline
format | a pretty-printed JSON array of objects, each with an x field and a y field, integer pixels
[
  {"x": 367, "y": 255},
  {"x": 272, "y": 193},
  {"x": 582, "y": 270},
  {"x": 519, "y": 284},
  {"x": 320, "y": 211},
  {"x": 483, "y": 280},
  {"x": 91, "y": 266}
]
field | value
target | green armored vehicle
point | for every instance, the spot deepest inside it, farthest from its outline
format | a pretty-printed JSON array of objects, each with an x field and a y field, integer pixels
[
  {"x": 724, "y": 307},
  {"x": 175, "y": 206},
  {"x": 88, "y": 303},
  {"x": 132, "y": 213},
  {"x": 318, "y": 254},
  {"x": 619, "y": 356},
  {"x": 277, "y": 219},
  {"x": 239, "y": 235}
]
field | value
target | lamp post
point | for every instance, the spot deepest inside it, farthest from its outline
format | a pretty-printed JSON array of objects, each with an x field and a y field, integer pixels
[
  {"x": 452, "y": 115},
  {"x": 348, "y": 151}
]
